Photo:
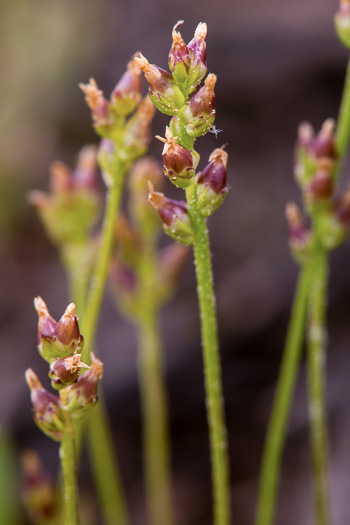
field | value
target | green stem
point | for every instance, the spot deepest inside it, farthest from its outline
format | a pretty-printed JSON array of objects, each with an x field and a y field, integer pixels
[
  {"x": 103, "y": 461},
  {"x": 271, "y": 461},
  {"x": 70, "y": 490},
  {"x": 76, "y": 261},
  {"x": 212, "y": 369},
  {"x": 316, "y": 380},
  {"x": 343, "y": 125},
  {"x": 153, "y": 395},
  {"x": 98, "y": 281}
]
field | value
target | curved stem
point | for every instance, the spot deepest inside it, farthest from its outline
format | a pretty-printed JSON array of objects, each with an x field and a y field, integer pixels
[
  {"x": 316, "y": 381},
  {"x": 212, "y": 369},
  {"x": 70, "y": 491},
  {"x": 343, "y": 125},
  {"x": 153, "y": 396},
  {"x": 271, "y": 461}
]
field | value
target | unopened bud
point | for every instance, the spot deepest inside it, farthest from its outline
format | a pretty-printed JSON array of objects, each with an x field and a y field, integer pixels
[
  {"x": 138, "y": 132},
  {"x": 211, "y": 183},
  {"x": 99, "y": 106},
  {"x": 164, "y": 93},
  {"x": 60, "y": 340},
  {"x": 85, "y": 174},
  {"x": 48, "y": 413},
  {"x": 128, "y": 92},
  {"x": 323, "y": 145},
  {"x": 179, "y": 163},
  {"x": 300, "y": 239},
  {"x": 198, "y": 53},
  {"x": 38, "y": 490},
  {"x": 179, "y": 57},
  {"x": 321, "y": 186},
  {"x": 342, "y": 23},
  {"x": 174, "y": 215},
  {"x": 65, "y": 371},
  {"x": 78, "y": 397},
  {"x": 199, "y": 111}
]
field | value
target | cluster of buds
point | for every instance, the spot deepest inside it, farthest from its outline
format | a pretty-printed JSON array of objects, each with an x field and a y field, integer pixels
[
  {"x": 192, "y": 107},
  {"x": 131, "y": 136},
  {"x": 342, "y": 22},
  {"x": 60, "y": 344},
  {"x": 72, "y": 208},
  {"x": 315, "y": 169},
  {"x": 134, "y": 237}
]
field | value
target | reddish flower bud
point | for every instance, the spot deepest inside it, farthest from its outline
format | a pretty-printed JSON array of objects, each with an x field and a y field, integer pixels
[
  {"x": 321, "y": 186},
  {"x": 179, "y": 163},
  {"x": 38, "y": 489},
  {"x": 99, "y": 106},
  {"x": 65, "y": 371},
  {"x": 164, "y": 93},
  {"x": 342, "y": 23},
  {"x": 211, "y": 183},
  {"x": 199, "y": 111},
  {"x": 179, "y": 56},
  {"x": 62, "y": 339},
  {"x": 324, "y": 144},
  {"x": 48, "y": 413},
  {"x": 174, "y": 215},
  {"x": 198, "y": 52},
  {"x": 299, "y": 234},
  {"x": 128, "y": 92},
  {"x": 137, "y": 134},
  {"x": 77, "y": 398}
]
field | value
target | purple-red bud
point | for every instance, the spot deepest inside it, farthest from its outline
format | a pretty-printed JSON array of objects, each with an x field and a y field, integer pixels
[
  {"x": 99, "y": 106},
  {"x": 324, "y": 143},
  {"x": 79, "y": 396},
  {"x": 211, "y": 183},
  {"x": 321, "y": 186},
  {"x": 65, "y": 371},
  {"x": 164, "y": 93},
  {"x": 48, "y": 413},
  {"x": 179, "y": 56},
  {"x": 137, "y": 134},
  {"x": 198, "y": 53},
  {"x": 199, "y": 111},
  {"x": 179, "y": 163},
  {"x": 62, "y": 339},
  {"x": 128, "y": 92},
  {"x": 174, "y": 215}
]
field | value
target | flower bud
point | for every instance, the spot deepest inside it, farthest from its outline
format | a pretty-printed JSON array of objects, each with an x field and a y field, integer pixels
[
  {"x": 198, "y": 52},
  {"x": 179, "y": 57},
  {"x": 128, "y": 92},
  {"x": 174, "y": 215},
  {"x": 62, "y": 339},
  {"x": 65, "y": 371},
  {"x": 321, "y": 186},
  {"x": 323, "y": 145},
  {"x": 199, "y": 111},
  {"x": 179, "y": 163},
  {"x": 38, "y": 490},
  {"x": 78, "y": 397},
  {"x": 299, "y": 234},
  {"x": 211, "y": 183},
  {"x": 137, "y": 134},
  {"x": 100, "y": 108},
  {"x": 164, "y": 93},
  {"x": 48, "y": 414},
  {"x": 342, "y": 23}
]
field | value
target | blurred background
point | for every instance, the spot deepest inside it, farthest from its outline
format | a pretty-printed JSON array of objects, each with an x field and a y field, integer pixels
[{"x": 277, "y": 63}]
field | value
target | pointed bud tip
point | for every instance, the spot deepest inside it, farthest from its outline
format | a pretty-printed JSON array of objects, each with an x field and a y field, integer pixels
[
  {"x": 96, "y": 366},
  {"x": 141, "y": 61},
  {"x": 176, "y": 35},
  {"x": 328, "y": 128},
  {"x": 32, "y": 379},
  {"x": 40, "y": 307},
  {"x": 210, "y": 81},
  {"x": 70, "y": 311},
  {"x": 201, "y": 31},
  {"x": 293, "y": 215},
  {"x": 219, "y": 155},
  {"x": 305, "y": 133}
]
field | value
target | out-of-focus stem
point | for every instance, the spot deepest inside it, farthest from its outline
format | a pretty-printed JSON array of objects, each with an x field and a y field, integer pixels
[
  {"x": 153, "y": 395},
  {"x": 271, "y": 462},
  {"x": 343, "y": 125},
  {"x": 316, "y": 382}
]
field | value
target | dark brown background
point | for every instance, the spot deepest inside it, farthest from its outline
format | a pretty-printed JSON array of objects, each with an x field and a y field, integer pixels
[{"x": 277, "y": 63}]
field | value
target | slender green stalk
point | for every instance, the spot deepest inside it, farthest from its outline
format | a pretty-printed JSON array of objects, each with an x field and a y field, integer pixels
[
  {"x": 103, "y": 461},
  {"x": 343, "y": 126},
  {"x": 153, "y": 395},
  {"x": 70, "y": 490},
  {"x": 271, "y": 461},
  {"x": 316, "y": 381},
  {"x": 99, "y": 278},
  {"x": 212, "y": 369},
  {"x": 75, "y": 259}
]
